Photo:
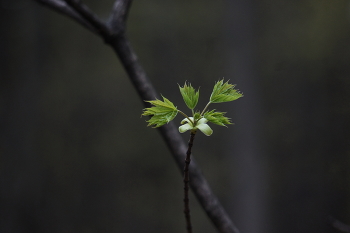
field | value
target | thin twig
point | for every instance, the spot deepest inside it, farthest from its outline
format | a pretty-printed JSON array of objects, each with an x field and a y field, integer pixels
[
  {"x": 90, "y": 16},
  {"x": 198, "y": 183},
  {"x": 63, "y": 8},
  {"x": 186, "y": 181}
]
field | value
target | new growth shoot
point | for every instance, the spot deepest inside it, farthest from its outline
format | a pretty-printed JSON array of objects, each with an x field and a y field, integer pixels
[{"x": 162, "y": 112}]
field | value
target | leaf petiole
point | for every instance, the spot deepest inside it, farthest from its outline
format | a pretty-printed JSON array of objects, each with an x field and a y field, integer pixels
[
  {"x": 205, "y": 108},
  {"x": 182, "y": 113}
]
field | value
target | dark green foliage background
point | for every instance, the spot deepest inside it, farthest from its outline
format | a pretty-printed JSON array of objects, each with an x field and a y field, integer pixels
[{"x": 75, "y": 156}]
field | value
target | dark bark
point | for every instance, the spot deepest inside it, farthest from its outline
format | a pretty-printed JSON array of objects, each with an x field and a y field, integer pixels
[{"x": 113, "y": 34}]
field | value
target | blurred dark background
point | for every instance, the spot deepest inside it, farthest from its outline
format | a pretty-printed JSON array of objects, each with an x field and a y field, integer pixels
[{"x": 75, "y": 156}]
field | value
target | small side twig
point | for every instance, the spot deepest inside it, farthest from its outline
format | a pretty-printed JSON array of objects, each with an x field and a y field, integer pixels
[
  {"x": 186, "y": 181},
  {"x": 62, "y": 7},
  {"x": 89, "y": 16}
]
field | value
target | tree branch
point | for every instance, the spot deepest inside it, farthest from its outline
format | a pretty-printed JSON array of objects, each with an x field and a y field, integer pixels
[
  {"x": 90, "y": 17},
  {"x": 119, "y": 15},
  {"x": 117, "y": 40},
  {"x": 63, "y": 8}
]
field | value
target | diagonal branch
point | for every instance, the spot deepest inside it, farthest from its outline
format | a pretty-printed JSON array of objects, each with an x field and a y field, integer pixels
[
  {"x": 63, "y": 8},
  {"x": 117, "y": 40}
]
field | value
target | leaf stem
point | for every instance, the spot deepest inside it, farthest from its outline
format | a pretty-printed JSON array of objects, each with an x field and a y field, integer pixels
[
  {"x": 205, "y": 108},
  {"x": 181, "y": 112},
  {"x": 186, "y": 182}
]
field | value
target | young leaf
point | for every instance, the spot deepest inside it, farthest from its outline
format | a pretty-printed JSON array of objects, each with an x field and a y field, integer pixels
[
  {"x": 217, "y": 118},
  {"x": 190, "y": 95},
  {"x": 224, "y": 92},
  {"x": 162, "y": 113}
]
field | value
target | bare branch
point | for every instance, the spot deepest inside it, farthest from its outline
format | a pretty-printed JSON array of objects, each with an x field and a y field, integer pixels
[
  {"x": 63, "y": 8},
  {"x": 90, "y": 17},
  {"x": 119, "y": 15}
]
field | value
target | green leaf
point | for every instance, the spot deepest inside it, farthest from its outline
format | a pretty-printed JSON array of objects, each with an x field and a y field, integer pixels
[
  {"x": 162, "y": 113},
  {"x": 190, "y": 95},
  {"x": 224, "y": 92},
  {"x": 217, "y": 118}
]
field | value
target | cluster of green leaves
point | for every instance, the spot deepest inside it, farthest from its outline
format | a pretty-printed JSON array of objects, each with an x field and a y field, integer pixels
[
  {"x": 164, "y": 111},
  {"x": 217, "y": 118}
]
